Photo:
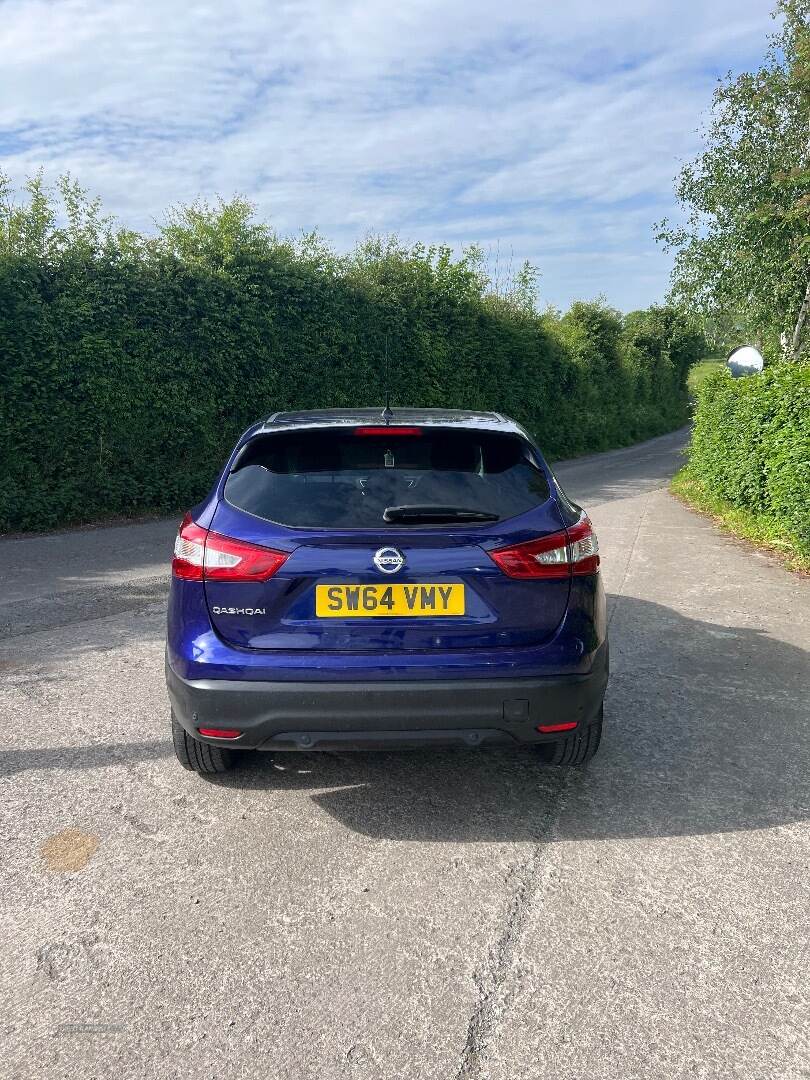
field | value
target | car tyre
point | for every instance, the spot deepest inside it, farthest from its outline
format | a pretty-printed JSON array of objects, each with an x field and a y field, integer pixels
[
  {"x": 204, "y": 758},
  {"x": 575, "y": 749}
]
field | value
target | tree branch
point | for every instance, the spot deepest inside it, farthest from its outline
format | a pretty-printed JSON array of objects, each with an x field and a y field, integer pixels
[{"x": 796, "y": 340}]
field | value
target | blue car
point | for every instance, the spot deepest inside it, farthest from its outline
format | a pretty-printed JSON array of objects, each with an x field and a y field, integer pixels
[{"x": 363, "y": 579}]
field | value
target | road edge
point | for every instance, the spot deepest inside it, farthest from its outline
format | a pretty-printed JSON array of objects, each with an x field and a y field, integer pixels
[{"x": 760, "y": 533}]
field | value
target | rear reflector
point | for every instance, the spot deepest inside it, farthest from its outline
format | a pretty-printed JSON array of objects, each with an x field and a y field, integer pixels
[
  {"x": 387, "y": 432},
  {"x": 200, "y": 555},
  {"x": 573, "y": 551},
  {"x": 220, "y": 732},
  {"x": 549, "y": 729}
]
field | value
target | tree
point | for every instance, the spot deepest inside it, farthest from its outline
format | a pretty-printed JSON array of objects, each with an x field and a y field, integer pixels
[{"x": 744, "y": 249}]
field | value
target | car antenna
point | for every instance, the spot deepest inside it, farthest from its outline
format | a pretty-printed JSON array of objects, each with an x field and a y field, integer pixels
[{"x": 387, "y": 415}]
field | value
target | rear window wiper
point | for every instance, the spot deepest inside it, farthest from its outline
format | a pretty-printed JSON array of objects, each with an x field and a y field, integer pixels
[{"x": 436, "y": 514}]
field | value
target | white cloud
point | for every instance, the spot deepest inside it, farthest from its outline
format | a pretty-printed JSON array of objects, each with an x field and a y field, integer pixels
[{"x": 554, "y": 128}]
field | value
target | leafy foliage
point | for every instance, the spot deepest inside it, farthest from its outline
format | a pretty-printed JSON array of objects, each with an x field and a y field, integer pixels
[
  {"x": 129, "y": 364},
  {"x": 743, "y": 254},
  {"x": 751, "y": 445}
]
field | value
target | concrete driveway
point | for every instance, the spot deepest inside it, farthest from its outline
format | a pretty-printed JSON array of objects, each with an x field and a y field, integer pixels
[{"x": 416, "y": 915}]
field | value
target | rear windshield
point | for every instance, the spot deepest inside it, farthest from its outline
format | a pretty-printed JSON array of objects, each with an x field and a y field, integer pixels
[{"x": 336, "y": 479}]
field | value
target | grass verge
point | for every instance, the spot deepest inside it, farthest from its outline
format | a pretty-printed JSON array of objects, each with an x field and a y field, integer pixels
[
  {"x": 699, "y": 371},
  {"x": 764, "y": 532}
]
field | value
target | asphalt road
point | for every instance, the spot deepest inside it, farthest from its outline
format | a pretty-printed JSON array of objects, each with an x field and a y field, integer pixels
[{"x": 431, "y": 915}]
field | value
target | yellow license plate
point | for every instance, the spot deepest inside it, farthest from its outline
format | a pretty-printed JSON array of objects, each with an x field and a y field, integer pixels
[{"x": 344, "y": 601}]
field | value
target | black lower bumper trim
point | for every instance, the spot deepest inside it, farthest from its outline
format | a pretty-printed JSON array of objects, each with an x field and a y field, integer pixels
[
  {"x": 386, "y": 740},
  {"x": 371, "y": 715}
]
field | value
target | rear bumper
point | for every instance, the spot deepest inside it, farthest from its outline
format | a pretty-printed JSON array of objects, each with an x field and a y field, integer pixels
[{"x": 373, "y": 715}]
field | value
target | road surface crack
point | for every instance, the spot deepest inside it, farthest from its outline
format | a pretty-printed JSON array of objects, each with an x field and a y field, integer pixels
[
  {"x": 493, "y": 995},
  {"x": 619, "y": 595}
]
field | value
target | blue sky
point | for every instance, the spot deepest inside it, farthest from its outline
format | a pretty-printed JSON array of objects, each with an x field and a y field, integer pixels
[{"x": 547, "y": 131}]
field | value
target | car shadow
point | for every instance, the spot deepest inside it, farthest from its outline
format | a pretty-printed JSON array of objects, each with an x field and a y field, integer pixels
[
  {"x": 707, "y": 731},
  {"x": 96, "y": 756}
]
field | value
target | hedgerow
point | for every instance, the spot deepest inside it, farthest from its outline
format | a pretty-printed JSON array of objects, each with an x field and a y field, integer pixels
[
  {"x": 130, "y": 363},
  {"x": 751, "y": 445}
]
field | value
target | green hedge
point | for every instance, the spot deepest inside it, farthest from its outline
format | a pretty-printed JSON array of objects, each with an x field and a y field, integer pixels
[
  {"x": 751, "y": 445},
  {"x": 130, "y": 364}
]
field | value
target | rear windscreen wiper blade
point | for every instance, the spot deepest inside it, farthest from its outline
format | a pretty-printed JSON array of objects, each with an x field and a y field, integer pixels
[{"x": 436, "y": 514}]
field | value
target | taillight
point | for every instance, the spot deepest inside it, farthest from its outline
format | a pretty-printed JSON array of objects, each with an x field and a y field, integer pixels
[
  {"x": 388, "y": 432},
  {"x": 573, "y": 551},
  {"x": 189, "y": 550},
  {"x": 200, "y": 555},
  {"x": 584, "y": 547}
]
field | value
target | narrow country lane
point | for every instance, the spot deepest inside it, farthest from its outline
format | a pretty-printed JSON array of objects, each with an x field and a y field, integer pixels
[{"x": 426, "y": 915}]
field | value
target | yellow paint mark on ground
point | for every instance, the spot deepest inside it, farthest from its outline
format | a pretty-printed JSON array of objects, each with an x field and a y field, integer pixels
[{"x": 68, "y": 850}]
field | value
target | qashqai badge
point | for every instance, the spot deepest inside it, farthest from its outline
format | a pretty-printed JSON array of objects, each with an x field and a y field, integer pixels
[{"x": 388, "y": 560}]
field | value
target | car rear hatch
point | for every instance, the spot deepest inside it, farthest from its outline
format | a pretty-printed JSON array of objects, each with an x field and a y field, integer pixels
[{"x": 385, "y": 536}]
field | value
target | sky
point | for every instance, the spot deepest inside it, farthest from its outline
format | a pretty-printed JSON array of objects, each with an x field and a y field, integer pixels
[{"x": 548, "y": 131}]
